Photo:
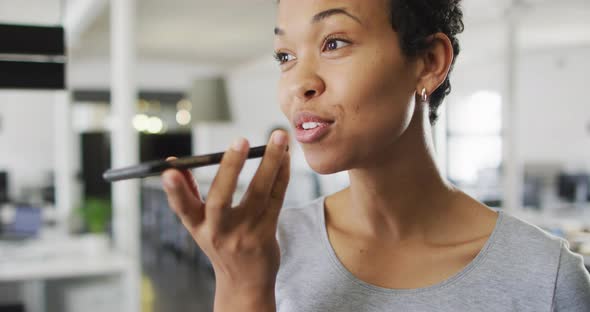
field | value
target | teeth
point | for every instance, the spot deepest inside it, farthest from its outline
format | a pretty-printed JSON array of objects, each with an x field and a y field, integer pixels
[{"x": 310, "y": 125}]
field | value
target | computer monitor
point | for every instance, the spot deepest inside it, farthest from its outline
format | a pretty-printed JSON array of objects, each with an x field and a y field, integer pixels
[
  {"x": 160, "y": 146},
  {"x": 12, "y": 307},
  {"x": 3, "y": 187},
  {"x": 569, "y": 186},
  {"x": 26, "y": 223}
]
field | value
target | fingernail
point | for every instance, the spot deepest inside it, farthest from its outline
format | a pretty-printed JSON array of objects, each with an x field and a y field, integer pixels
[
  {"x": 238, "y": 144},
  {"x": 279, "y": 138}
]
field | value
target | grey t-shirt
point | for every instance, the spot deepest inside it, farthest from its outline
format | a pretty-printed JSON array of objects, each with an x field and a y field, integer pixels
[{"x": 520, "y": 268}]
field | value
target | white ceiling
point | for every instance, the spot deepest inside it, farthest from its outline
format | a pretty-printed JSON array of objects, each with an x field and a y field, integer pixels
[
  {"x": 220, "y": 31},
  {"x": 233, "y": 31}
]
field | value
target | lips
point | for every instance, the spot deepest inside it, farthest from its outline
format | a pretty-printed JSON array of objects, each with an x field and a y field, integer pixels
[{"x": 311, "y": 135}]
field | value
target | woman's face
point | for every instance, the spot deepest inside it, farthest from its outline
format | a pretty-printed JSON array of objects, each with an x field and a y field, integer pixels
[{"x": 341, "y": 61}]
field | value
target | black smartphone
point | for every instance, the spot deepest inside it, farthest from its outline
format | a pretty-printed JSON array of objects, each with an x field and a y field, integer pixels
[{"x": 156, "y": 167}]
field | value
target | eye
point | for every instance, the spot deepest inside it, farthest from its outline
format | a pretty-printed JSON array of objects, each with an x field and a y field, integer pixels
[
  {"x": 335, "y": 44},
  {"x": 282, "y": 57}
]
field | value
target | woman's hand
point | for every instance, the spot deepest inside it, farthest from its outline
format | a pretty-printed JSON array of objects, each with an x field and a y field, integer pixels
[{"x": 239, "y": 241}]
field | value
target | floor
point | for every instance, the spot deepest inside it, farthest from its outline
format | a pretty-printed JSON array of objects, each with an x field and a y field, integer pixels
[{"x": 178, "y": 284}]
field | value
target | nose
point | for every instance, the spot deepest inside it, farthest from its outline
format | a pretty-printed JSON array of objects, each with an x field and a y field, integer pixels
[{"x": 307, "y": 84}]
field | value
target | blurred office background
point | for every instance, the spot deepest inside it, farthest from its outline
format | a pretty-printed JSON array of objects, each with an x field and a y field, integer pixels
[{"x": 145, "y": 79}]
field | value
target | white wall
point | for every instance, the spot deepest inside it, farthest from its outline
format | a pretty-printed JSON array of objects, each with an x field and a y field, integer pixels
[
  {"x": 31, "y": 12},
  {"x": 26, "y": 137},
  {"x": 253, "y": 93},
  {"x": 553, "y": 114},
  {"x": 553, "y": 106}
]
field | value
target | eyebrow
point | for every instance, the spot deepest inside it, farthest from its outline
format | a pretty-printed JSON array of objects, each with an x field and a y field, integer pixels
[{"x": 322, "y": 16}]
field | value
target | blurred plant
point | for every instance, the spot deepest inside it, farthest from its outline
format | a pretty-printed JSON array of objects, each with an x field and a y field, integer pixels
[{"x": 96, "y": 214}]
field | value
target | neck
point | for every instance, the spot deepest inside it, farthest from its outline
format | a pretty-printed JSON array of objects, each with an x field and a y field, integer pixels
[{"x": 400, "y": 194}]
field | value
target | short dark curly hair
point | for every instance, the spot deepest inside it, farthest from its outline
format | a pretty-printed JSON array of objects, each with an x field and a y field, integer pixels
[{"x": 415, "y": 21}]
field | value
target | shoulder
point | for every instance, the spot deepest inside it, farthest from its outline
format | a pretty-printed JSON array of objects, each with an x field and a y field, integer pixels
[
  {"x": 538, "y": 242},
  {"x": 521, "y": 253},
  {"x": 545, "y": 260},
  {"x": 572, "y": 288},
  {"x": 522, "y": 238}
]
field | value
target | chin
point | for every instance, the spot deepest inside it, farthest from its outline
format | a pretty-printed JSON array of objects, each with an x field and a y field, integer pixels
[{"x": 324, "y": 163}]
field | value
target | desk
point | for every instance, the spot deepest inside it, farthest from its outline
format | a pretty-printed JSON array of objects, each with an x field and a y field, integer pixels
[
  {"x": 62, "y": 267},
  {"x": 98, "y": 271}
]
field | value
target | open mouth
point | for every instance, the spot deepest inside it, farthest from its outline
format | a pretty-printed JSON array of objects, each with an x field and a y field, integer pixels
[
  {"x": 311, "y": 132},
  {"x": 312, "y": 125}
]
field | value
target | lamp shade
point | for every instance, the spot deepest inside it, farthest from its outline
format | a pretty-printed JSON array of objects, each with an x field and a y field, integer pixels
[{"x": 209, "y": 100}]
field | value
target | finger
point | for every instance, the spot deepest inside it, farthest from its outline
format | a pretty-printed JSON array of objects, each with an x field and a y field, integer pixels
[
  {"x": 259, "y": 189},
  {"x": 279, "y": 189},
  {"x": 190, "y": 179},
  {"x": 182, "y": 200},
  {"x": 220, "y": 196}
]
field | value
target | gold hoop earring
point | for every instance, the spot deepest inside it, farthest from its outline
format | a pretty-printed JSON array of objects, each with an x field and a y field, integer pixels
[{"x": 424, "y": 95}]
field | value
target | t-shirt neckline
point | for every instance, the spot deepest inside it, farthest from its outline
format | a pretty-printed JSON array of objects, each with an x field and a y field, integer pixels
[{"x": 378, "y": 289}]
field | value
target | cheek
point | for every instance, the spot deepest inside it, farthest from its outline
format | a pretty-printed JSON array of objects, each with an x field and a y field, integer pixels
[
  {"x": 376, "y": 107},
  {"x": 378, "y": 96},
  {"x": 283, "y": 98}
]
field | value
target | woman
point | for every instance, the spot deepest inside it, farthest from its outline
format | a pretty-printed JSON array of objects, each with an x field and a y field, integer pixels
[{"x": 361, "y": 82}]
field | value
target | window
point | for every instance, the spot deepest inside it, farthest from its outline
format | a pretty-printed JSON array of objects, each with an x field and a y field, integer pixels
[{"x": 474, "y": 134}]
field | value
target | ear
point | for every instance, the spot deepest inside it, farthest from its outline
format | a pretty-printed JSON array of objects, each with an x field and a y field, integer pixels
[{"x": 435, "y": 63}]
